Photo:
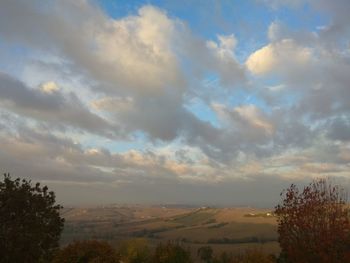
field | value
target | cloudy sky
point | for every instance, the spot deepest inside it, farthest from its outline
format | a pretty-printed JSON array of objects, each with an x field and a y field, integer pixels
[{"x": 198, "y": 102}]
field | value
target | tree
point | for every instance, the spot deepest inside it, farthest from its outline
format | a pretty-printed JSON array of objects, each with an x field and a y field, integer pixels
[
  {"x": 30, "y": 224},
  {"x": 224, "y": 258},
  {"x": 205, "y": 254},
  {"x": 88, "y": 251},
  {"x": 253, "y": 256},
  {"x": 313, "y": 224},
  {"x": 171, "y": 253},
  {"x": 135, "y": 251}
]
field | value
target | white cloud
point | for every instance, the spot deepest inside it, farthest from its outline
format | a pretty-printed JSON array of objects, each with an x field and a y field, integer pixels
[
  {"x": 138, "y": 51},
  {"x": 279, "y": 56},
  {"x": 49, "y": 87}
]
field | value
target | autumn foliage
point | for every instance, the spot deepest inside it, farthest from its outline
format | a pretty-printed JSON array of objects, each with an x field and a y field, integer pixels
[
  {"x": 91, "y": 251},
  {"x": 313, "y": 224},
  {"x": 253, "y": 256},
  {"x": 135, "y": 251}
]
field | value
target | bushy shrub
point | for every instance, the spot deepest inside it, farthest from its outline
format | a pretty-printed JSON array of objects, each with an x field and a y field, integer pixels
[{"x": 88, "y": 251}]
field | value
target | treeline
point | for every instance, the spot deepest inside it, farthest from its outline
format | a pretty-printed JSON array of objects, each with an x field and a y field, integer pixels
[
  {"x": 138, "y": 251},
  {"x": 252, "y": 239}
]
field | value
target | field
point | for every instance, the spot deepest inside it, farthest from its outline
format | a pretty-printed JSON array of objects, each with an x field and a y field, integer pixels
[{"x": 224, "y": 229}]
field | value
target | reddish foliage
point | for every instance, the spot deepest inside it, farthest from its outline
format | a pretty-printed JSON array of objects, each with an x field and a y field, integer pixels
[{"x": 313, "y": 225}]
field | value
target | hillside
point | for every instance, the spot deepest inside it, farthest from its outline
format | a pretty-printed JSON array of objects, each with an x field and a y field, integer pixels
[{"x": 228, "y": 229}]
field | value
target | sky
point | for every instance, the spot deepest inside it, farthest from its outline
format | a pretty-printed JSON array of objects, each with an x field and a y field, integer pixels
[{"x": 186, "y": 102}]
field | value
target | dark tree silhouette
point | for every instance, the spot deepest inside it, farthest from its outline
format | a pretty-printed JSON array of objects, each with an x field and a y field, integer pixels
[
  {"x": 313, "y": 224},
  {"x": 30, "y": 224}
]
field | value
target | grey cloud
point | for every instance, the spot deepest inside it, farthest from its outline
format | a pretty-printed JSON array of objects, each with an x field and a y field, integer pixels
[
  {"x": 15, "y": 91},
  {"x": 340, "y": 129},
  {"x": 146, "y": 82},
  {"x": 50, "y": 161},
  {"x": 212, "y": 56},
  {"x": 163, "y": 119},
  {"x": 130, "y": 177},
  {"x": 47, "y": 157},
  {"x": 39, "y": 157},
  {"x": 325, "y": 90},
  {"x": 319, "y": 92},
  {"x": 106, "y": 50},
  {"x": 332, "y": 35},
  {"x": 54, "y": 108},
  {"x": 158, "y": 103}
]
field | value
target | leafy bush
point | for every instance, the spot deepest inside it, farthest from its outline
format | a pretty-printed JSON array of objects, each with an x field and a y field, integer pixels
[
  {"x": 171, "y": 253},
  {"x": 89, "y": 251}
]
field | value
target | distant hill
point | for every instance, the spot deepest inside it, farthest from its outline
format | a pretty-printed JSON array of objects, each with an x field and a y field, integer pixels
[{"x": 229, "y": 228}]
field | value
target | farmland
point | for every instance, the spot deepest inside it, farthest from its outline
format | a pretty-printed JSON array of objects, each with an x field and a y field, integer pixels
[{"x": 224, "y": 229}]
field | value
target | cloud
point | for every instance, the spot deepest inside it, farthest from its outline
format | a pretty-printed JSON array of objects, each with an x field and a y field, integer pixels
[
  {"x": 47, "y": 104},
  {"x": 106, "y": 103},
  {"x": 230, "y": 71},
  {"x": 332, "y": 34},
  {"x": 246, "y": 118},
  {"x": 111, "y": 51},
  {"x": 61, "y": 162},
  {"x": 137, "y": 53},
  {"x": 132, "y": 59},
  {"x": 135, "y": 61},
  {"x": 252, "y": 116},
  {"x": 283, "y": 55},
  {"x": 339, "y": 129},
  {"x": 49, "y": 87}
]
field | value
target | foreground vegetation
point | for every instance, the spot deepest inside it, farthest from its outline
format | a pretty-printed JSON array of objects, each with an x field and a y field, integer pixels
[
  {"x": 313, "y": 226},
  {"x": 138, "y": 251},
  {"x": 30, "y": 224}
]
